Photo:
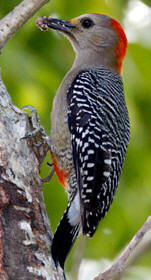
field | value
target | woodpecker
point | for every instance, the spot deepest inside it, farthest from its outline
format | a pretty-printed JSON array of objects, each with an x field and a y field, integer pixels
[{"x": 90, "y": 125}]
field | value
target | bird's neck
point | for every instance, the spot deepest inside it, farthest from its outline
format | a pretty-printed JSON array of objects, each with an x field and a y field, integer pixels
[
  {"x": 90, "y": 60},
  {"x": 84, "y": 61}
]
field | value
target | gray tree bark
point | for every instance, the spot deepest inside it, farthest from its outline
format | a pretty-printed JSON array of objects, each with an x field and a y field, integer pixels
[{"x": 25, "y": 234}]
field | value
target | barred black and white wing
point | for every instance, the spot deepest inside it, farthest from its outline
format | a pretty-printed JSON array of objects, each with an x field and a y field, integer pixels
[{"x": 99, "y": 126}]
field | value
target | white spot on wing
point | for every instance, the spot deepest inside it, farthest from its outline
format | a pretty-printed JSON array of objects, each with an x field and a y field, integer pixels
[
  {"x": 86, "y": 145},
  {"x": 86, "y": 157},
  {"x": 85, "y": 133},
  {"x": 89, "y": 191},
  {"x": 107, "y": 161},
  {"x": 90, "y": 178},
  {"x": 90, "y": 152},
  {"x": 106, "y": 174},
  {"x": 87, "y": 200},
  {"x": 89, "y": 165}
]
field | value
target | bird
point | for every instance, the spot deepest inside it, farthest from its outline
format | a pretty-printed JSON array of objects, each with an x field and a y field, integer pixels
[{"x": 89, "y": 125}]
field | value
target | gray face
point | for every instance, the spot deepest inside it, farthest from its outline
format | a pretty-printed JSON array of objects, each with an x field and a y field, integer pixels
[
  {"x": 93, "y": 31},
  {"x": 87, "y": 31},
  {"x": 97, "y": 39}
]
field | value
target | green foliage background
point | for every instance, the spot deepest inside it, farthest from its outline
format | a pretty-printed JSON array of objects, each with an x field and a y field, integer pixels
[{"x": 33, "y": 64}]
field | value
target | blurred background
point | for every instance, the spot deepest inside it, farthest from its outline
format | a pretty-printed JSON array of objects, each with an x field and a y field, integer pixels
[{"x": 33, "y": 64}]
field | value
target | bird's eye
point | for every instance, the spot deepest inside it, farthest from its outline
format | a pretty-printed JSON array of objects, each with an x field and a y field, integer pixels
[{"x": 87, "y": 23}]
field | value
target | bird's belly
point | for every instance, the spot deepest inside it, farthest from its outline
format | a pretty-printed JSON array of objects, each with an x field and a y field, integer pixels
[{"x": 61, "y": 145}]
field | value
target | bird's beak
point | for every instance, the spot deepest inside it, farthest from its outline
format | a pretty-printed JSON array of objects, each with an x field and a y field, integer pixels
[{"x": 63, "y": 26}]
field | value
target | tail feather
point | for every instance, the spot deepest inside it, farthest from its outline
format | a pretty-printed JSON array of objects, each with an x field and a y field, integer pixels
[{"x": 63, "y": 240}]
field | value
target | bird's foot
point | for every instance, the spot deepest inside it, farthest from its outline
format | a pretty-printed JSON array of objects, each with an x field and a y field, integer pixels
[
  {"x": 40, "y": 136},
  {"x": 37, "y": 131}
]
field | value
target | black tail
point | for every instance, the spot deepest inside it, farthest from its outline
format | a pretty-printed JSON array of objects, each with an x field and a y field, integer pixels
[{"x": 63, "y": 240}]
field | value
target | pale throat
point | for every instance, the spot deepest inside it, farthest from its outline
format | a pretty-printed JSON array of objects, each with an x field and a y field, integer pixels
[{"x": 90, "y": 59}]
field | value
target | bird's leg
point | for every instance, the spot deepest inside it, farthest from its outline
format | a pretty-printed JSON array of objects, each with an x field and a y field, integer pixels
[{"x": 39, "y": 132}]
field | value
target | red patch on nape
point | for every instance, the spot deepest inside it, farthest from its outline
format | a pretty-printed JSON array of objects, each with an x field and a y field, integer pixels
[
  {"x": 121, "y": 45},
  {"x": 61, "y": 174}
]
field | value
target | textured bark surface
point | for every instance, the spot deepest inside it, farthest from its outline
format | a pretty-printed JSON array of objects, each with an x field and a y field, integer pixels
[{"x": 25, "y": 235}]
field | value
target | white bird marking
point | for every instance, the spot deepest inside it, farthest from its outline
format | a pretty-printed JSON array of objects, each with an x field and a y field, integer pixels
[
  {"x": 90, "y": 178},
  {"x": 106, "y": 174},
  {"x": 74, "y": 211},
  {"x": 89, "y": 191},
  {"x": 89, "y": 165},
  {"x": 107, "y": 161},
  {"x": 87, "y": 200},
  {"x": 90, "y": 152}
]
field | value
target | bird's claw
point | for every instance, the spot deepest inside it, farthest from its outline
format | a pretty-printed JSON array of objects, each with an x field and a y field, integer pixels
[{"x": 38, "y": 131}]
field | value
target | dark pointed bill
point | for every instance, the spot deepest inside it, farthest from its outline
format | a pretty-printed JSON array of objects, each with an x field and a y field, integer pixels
[{"x": 61, "y": 25}]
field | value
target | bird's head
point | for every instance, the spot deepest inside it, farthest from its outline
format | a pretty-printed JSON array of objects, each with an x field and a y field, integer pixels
[{"x": 96, "y": 38}]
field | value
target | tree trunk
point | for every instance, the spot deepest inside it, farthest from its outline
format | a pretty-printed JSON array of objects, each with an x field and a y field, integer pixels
[{"x": 25, "y": 235}]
